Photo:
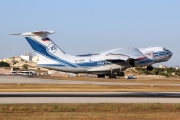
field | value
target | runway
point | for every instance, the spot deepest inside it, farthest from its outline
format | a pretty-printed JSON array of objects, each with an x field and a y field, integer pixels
[
  {"x": 92, "y": 94},
  {"x": 89, "y": 97},
  {"x": 82, "y": 97},
  {"x": 26, "y": 80}
]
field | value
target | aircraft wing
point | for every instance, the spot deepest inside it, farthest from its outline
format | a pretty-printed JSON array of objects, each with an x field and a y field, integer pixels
[{"x": 124, "y": 54}]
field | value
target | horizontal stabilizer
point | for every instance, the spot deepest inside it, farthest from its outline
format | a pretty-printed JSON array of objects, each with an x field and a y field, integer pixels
[
  {"x": 16, "y": 34},
  {"x": 34, "y": 33}
]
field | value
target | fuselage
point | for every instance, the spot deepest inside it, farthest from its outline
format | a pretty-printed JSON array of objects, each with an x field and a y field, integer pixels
[{"x": 97, "y": 64}]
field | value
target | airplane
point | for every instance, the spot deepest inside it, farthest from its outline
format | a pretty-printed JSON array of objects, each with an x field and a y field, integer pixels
[{"x": 110, "y": 63}]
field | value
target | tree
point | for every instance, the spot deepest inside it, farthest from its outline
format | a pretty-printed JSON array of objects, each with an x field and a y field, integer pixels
[
  {"x": 4, "y": 64},
  {"x": 170, "y": 70},
  {"x": 177, "y": 72},
  {"x": 25, "y": 67},
  {"x": 155, "y": 71}
]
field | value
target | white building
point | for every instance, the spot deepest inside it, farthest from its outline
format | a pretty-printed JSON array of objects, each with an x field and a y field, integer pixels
[
  {"x": 35, "y": 59},
  {"x": 161, "y": 66},
  {"x": 26, "y": 57}
]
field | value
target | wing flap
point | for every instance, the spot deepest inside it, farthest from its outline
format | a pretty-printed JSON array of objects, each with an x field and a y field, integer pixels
[
  {"x": 125, "y": 54},
  {"x": 116, "y": 57}
]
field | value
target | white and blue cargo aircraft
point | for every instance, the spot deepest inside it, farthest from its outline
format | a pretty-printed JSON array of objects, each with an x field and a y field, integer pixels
[{"x": 110, "y": 63}]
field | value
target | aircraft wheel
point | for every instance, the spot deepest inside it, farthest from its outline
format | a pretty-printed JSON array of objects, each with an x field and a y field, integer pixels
[
  {"x": 120, "y": 74},
  {"x": 112, "y": 75},
  {"x": 101, "y": 76}
]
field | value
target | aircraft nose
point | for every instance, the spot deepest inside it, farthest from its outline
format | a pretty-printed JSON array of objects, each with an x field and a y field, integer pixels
[{"x": 170, "y": 53}]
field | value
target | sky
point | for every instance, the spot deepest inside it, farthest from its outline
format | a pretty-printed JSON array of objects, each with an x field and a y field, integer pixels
[{"x": 86, "y": 26}]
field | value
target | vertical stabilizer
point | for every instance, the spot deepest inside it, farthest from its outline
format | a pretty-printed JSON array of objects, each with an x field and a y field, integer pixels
[{"x": 44, "y": 47}]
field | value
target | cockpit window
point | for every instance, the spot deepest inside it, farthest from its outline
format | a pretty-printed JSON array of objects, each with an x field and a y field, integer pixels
[{"x": 164, "y": 49}]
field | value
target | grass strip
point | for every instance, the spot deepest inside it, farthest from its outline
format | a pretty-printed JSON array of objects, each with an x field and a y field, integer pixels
[
  {"x": 84, "y": 88},
  {"x": 90, "y": 111}
]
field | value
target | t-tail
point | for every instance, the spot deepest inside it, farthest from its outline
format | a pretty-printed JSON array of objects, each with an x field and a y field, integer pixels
[{"x": 45, "y": 48}]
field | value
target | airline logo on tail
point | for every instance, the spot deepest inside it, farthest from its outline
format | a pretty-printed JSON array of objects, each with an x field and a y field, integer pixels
[{"x": 51, "y": 48}]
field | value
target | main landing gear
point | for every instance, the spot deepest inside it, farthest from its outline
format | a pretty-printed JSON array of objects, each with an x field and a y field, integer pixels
[
  {"x": 120, "y": 74},
  {"x": 101, "y": 76},
  {"x": 111, "y": 75}
]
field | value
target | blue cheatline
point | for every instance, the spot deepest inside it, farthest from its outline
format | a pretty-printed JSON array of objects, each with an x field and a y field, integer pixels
[
  {"x": 42, "y": 49},
  {"x": 83, "y": 65}
]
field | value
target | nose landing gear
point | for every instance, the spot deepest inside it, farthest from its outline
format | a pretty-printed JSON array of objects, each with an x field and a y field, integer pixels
[{"x": 150, "y": 68}]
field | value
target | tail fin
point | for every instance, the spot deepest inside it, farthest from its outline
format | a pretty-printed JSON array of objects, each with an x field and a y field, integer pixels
[{"x": 43, "y": 46}]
